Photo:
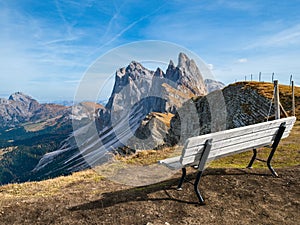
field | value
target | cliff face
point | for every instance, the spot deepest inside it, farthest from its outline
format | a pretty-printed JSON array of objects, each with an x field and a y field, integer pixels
[{"x": 149, "y": 91}]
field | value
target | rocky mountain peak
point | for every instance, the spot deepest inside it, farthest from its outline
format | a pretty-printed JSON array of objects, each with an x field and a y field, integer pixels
[
  {"x": 171, "y": 63},
  {"x": 183, "y": 60},
  {"x": 159, "y": 72},
  {"x": 187, "y": 75},
  {"x": 21, "y": 97},
  {"x": 135, "y": 68},
  {"x": 170, "y": 71},
  {"x": 136, "y": 82}
]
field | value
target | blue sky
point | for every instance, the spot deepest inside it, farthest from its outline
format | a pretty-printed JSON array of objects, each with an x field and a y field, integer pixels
[{"x": 46, "y": 46}]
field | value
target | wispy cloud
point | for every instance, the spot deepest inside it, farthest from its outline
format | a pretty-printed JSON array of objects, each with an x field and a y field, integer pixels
[
  {"x": 118, "y": 28},
  {"x": 284, "y": 38}
]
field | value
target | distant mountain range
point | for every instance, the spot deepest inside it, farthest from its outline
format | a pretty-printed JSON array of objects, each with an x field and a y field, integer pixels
[
  {"x": 71, "y": 102},
  {"x": 20, "y": 108},
  {"x": 28, "y": 130}
]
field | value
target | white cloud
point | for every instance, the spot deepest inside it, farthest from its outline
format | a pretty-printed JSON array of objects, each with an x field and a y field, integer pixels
[
  {"x": 242, "y": 60},
  {"x": 210, "y": 66}
]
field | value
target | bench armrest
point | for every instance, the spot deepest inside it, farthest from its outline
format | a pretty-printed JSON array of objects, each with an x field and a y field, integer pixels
[{"x": 172, "y": 163}]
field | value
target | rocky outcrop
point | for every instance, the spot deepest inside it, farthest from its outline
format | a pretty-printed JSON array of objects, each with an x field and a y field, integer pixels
[
  {"x": 152, "y": 131},
  {"x": 234, "y": 106}
]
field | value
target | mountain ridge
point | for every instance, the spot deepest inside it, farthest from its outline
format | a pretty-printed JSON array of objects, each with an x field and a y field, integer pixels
[{"x": 21, "y": 108}]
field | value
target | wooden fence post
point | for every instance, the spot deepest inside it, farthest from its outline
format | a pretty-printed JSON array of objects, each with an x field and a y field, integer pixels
[
  {"x": 276, "y": 100},
  {"x": 293, "y": 98}
]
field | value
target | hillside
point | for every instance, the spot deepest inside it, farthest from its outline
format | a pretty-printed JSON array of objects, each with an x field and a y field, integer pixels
[
  {"x": 234, "y": 196},
  {"x": 285, "y": 94},
  {"x": 236, "y": 105}
]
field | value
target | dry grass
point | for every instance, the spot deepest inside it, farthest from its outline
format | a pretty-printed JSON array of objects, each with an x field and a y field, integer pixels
[
  {"x": 149, "y": 157},
  {"x": 51, "y": 187},
  {"x": 163, "y": 117},
  {"x": 33, "y": 127}
]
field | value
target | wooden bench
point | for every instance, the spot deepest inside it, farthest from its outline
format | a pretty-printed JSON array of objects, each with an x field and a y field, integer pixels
[{"x": 199, "y": 150}]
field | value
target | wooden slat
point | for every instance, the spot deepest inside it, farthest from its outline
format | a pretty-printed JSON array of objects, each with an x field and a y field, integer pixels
[
  {"x": 234, "y": 148},
  {"x": 217, "y": 136},
  {"x": 170, "y": 160},
  {"x": 230, "y": 141},
  {"x": 229, "y": 149},
  {"x": 234, "y": 141}
]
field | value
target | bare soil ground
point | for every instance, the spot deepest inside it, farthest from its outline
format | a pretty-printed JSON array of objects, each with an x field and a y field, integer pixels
[{"x": 233, "y": 196}]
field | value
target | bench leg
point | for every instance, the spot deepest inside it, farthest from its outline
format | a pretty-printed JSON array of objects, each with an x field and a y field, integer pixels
[
  {"x": 269, "y": 161},
  {"x": 200, "y": 198},
  {"x": 179, "y": 187},
  {"x": 274, "y": 147},
  {"x": 253, "y": 159},
  {"x": 271, "y": 169}
]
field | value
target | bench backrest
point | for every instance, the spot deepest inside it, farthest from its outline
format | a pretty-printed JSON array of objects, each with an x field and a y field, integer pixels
[{"x": 235, "y": 140}]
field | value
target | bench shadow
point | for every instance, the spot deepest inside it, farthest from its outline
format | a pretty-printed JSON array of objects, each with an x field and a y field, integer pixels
[
  {"x": 136, "y": 194},
  {"x": 140, "y": 194},
  {"x": 238, "y": 171}
]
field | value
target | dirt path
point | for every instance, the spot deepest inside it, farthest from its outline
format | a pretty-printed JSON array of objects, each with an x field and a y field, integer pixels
[{"x": 234, "y": 196}]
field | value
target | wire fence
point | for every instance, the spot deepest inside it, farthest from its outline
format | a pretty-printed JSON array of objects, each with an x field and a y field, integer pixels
[{"x": 283, "y": 78}]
